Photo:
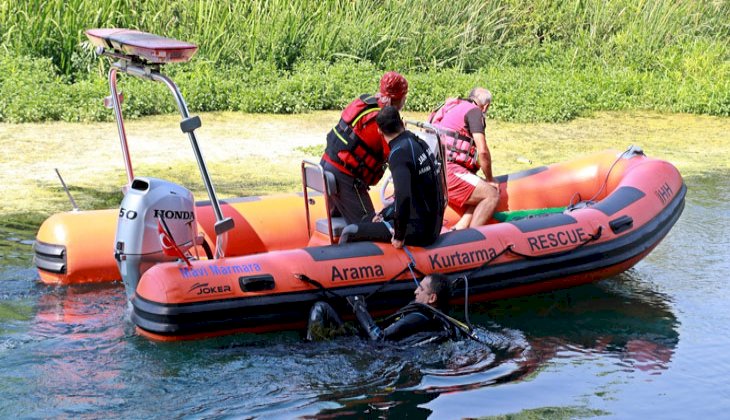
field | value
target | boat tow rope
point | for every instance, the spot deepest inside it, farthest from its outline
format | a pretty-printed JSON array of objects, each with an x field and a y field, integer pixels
[
  {"x": 325, "y": 291},
  {"x": 465, "y": 277}
]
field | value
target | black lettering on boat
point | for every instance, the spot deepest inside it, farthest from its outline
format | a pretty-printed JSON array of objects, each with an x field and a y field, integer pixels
[
  {"x": 458, "y": 259},
  {"x": 557, "y": 239},
  {"x": 664, "y": 193},
  {"x": 205, "y": 289},
  {"x": 357, "y": 273},
  {"x": 174, "y": 214}
]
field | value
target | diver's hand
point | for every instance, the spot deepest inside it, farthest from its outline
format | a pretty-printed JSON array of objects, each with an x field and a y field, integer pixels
[
  {"x": 378, "y": 218},
  {"x": 396, "y": 243}
]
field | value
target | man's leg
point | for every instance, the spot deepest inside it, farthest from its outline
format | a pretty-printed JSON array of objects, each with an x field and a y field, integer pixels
[
  {"x": 352, "y": 200},
  {"x": 324, "y": 323},
  {"x": 484, "y": 198},
  {"x": 471, "y": 196},
  {"x": 359, "y": 232}
]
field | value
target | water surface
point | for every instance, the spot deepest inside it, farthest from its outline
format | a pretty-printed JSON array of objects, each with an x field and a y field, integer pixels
[{"x": 649, "y": 342}]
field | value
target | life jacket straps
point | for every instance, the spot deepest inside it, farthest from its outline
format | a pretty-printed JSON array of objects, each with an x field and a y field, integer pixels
[
  {"x": 360, "y": 159},
  {"x": 460, "y": 146}
]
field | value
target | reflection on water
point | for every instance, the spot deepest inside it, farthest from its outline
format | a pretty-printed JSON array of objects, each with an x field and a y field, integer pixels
[
  {"x": 16, "y": 253},
  {"x": 616, "y": 317},
  {"x": 79, "y": 352}
]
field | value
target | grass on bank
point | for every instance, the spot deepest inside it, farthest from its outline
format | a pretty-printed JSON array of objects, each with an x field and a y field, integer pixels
[
  {"x": 260, "y": 154},
  {"x": 543, "y": 60},
  {"x": 413, "y": 35},
  {"x": 30, "y": 93}
]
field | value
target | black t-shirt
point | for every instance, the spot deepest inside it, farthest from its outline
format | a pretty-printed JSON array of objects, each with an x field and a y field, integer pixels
[
  {"x": 418, "y": 210},
  {"x": 474, "y": 121}
]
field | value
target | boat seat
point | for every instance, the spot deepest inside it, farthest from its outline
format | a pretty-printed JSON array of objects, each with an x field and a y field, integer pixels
[
  {"x": 316, "y": 178},
  {"x": 338, "y": 223}
]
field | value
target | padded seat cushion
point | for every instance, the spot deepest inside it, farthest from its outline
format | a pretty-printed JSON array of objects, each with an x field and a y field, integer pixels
[{"x": 338, "y": 223}]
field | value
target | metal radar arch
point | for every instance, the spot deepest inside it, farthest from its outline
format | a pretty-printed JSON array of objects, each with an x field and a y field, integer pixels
[{"x": 142, "y": 55}]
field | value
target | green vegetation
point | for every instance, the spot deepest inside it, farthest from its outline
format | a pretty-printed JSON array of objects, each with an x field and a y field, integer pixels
[{"x": 543, "y": 60}]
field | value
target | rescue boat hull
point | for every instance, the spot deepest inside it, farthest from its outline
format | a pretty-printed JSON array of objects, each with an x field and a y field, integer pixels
[{"x": 642, "y": 198}]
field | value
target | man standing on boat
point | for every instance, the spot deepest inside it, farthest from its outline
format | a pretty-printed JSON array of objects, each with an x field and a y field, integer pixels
[
  {"x": 356, "y": 152},
  {"x": 418, "y": 209},
  {"x": 472, "y": 197}
]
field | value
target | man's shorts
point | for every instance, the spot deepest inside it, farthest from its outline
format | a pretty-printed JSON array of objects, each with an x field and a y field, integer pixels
[{"x": 461, "y": 184}]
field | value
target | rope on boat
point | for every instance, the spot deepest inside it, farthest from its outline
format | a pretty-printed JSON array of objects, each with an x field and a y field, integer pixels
[
  {"x": 327, "y": 293},
  {"x": 411, "y": 266},
  {"x": 631, "y": 149},
  {"x": 510, "y": 248},
  {"x": 318, "y": 285}
]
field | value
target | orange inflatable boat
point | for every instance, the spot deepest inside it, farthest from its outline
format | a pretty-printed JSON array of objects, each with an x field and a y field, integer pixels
[
  {"x": 633, "y": 202},
  {"x": 254, "y": 264}
]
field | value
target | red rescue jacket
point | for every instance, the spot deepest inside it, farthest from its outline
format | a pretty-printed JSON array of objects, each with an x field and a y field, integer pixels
[{"x": 354, "y": 145}]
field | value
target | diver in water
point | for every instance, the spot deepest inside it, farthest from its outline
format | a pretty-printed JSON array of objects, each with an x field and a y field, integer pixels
[{"x": 418, "y": 322}]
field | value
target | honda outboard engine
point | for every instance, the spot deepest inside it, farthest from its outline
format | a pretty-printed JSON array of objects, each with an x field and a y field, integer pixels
[{"x": 156, "y": 224}]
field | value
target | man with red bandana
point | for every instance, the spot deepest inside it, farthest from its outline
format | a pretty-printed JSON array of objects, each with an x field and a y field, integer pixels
[
  {"x": 472, "y": 197},
  {"x": 356, "y": 152}
]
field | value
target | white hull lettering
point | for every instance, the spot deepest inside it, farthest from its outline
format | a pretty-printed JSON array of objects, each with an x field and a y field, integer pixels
[
  {"x": 456, "y": 259},
  {"x": 562, "y": 238},
  {"x": 357, "y": 273}
]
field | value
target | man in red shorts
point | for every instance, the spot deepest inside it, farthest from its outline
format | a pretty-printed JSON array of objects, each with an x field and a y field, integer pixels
[{"x": 472, "y": 197}]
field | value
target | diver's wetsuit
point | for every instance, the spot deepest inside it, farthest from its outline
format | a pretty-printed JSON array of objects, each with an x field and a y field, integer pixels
[
  {"x": 418, "y": 207},
  {"x": 413, "y": 324}
]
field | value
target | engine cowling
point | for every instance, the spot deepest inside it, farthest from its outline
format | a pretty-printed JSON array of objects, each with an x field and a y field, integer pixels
[{"x": 156, "y": 224}]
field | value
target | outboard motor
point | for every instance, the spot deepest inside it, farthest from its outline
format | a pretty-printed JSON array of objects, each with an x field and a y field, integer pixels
[{"x": 156, "y": 224}]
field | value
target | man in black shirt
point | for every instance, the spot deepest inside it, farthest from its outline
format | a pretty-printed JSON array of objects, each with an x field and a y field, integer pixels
[{"x": 418, "y": 209}]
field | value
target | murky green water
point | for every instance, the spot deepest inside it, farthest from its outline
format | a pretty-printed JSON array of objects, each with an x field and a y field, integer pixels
[{"x": 650, "y": 343}]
